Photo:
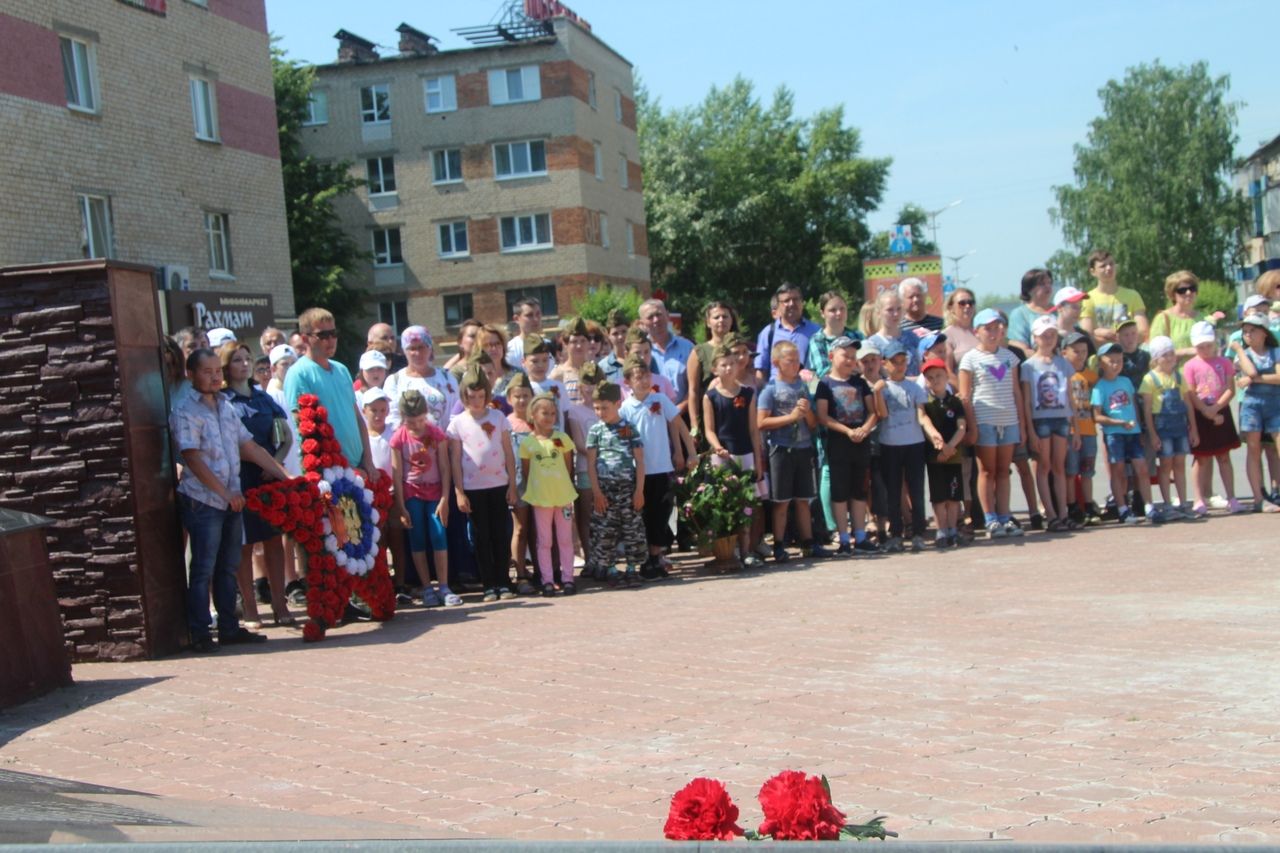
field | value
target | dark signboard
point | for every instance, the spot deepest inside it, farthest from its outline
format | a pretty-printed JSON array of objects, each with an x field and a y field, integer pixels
[{"x": 246, "y": 314}]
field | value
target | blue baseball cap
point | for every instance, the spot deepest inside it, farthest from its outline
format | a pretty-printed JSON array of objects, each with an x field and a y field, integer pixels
[
  {"x": 930, "y": 341},
  {"x": 891, "y": 349},
  {"x": 1109, "y": 347},
  {"x": 988, "y": 315}
]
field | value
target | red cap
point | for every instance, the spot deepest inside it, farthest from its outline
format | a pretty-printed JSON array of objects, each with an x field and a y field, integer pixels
[{"x": 932, "y": 363}]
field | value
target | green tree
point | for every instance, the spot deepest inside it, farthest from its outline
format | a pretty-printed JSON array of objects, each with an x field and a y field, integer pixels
[
  {"x": 741, "y": 196},
  {"x": 1152, "y": 183},
  {"x": 322, "y": 253},
  {"x": 910, "y": 214}
]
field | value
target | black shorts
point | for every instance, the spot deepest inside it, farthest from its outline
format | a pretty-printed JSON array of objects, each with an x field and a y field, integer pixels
[
  {"x": 849, "y": 467},
  {"x": 946, "y": 482},
  {"x": 657, "y": 510},
  {"x": 879, "y": 491},
  {"x": 791, "y": 473}
]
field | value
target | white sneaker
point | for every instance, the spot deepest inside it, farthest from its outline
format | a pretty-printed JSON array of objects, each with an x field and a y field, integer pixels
[
  {"x": 995, "y": 530},
  {"x": 1011, "y": 529},
  {"x": 1218, "y": 502}
]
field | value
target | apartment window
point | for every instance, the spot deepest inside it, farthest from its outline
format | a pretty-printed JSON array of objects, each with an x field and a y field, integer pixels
[
  {"x": 604, "y": 231},
  {"x": 631, "y": 239},
  {"x": 622, "y": 171},
  {"x": 79, "y": 72},
  {"x": 520, "y": 159},
  {"x": 545, "y": 294},
  {"x": 617, "y": 105},
  {"x": 514, "y": 85},
  {"x": 218, "y": 233},
  {"x": 394, "y": 314},
  {"x": 591, "y": 89},
  {"x": 386, "y": 247},
  {"x": 453, "y": 239},
  {"x": 204, "y": 109},
  {"x": 317, "y": 108},
  {"x": 446, "y": 166},
  {"x": 457, "y": 307},
  {"x": 441, "y": 93},
  {"x": 95, "y": 216},
  {"x": 521, "y": 233},
  {"x": 382, "y": 175},
  {"x": 375, "y": 104},
  {"x": 598, "y": 150}
]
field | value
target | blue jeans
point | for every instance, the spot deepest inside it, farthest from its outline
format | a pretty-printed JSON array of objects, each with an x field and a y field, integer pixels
[
  {"x": 997, "y": 436},
  {"x": 216, "y": 536}
]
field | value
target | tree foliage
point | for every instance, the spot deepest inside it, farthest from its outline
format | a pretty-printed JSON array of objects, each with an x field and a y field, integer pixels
[
  {"x": 321, "y": 251},
  {"x": 1152, "y": 183},
  {"x": 910, "y": 214},
  {"x": 741, "y": 196}
]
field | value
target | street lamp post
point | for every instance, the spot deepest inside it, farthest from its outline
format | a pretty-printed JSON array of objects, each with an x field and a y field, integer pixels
[
  {"x": 955, "y": 259},
  {"x": 933, "y": 218}
]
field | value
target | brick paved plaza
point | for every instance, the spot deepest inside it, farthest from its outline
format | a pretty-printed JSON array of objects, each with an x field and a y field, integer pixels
[{"x": 1112, "y": 686}]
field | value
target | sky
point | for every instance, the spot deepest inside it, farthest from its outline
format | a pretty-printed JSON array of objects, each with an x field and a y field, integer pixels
[{"x": 980, "y": 103}]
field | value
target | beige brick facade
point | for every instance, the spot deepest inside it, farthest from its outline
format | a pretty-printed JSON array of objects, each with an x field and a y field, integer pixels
[
  {"x": 137, "y": 147},
  {"x": 589, "y": 210}
]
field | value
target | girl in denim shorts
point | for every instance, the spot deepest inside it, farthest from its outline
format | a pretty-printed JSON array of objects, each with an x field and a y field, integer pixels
[
  {"x": 1046, "y": 386},
  {"x": 1260, "y": 408},
  {"x": 1168, "y": 423}
]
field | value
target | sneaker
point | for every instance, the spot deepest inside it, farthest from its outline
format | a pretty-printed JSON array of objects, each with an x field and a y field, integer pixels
[
  {"x": 762, "y": 550},
  {"x": 634, "y": 579},
  {"x": 1127, "y": 516},
  {"x": 780, "y": 554},
  {"x": 892, "y": 546},
  {"x": 613, "y": 578},
  {"x": 1200, "y": 510},
  {"x": 548, "y": 590},
  {"x": 652, "y": 570},
  {"x": 262, "y": 590},
  {"x": 504, "y": 593},
  {"x": 866, "y": 546},
  {"x": 1235, "y": 507},
  {"x": 995, "y": 530},
  {"x": 523, "y": 587},
  {"x": 1037, "y": 522},
  {"x": 817, "y": 552},
  {"x": 844, "y": 549},
  {"x": 1155, "y": 516},
  {"x": 1011, "y": 527},
  {"x": 296, "y": 592},
  {"x": 403, "y": 599},
  {"x": 492, "y": 594},
  {"x": 1219, "y": 502},
  {"x": 941, "y": 543},
  {"x": 1267, "y": 506},
  {"x": 570, "y": 589},
  {"x": 431, "y": 598}
]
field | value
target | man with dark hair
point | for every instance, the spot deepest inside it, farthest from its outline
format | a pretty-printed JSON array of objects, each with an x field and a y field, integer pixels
[
  {"x": 527, "y": 315},
  {"x": 1107, "y": 303},
  {"x": 789, "y": 325}
]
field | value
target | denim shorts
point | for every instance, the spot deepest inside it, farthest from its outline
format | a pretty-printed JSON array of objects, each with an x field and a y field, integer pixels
[
  {"x": 1082, "y": 461},
  {"x": 1259, "y": 415},
  {"x": 990, "y": 435},
  {"x": 1173, "y": 441},
  {"x": 1046, "y": 427},
  {"x": 1125, "y": 447}
]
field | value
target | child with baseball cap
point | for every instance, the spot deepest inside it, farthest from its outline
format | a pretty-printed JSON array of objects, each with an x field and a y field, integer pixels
[{"x": 945, "y": 466}]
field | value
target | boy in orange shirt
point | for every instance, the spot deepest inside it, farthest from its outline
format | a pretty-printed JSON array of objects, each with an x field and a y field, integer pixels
[{"x": 1082, "y": 453}]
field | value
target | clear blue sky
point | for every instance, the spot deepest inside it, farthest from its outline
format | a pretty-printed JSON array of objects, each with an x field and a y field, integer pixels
[{"x": 975, "y": 101}]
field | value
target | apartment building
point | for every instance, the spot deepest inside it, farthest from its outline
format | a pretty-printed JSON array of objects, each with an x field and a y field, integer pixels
[
  {"x": 145, "y": 131},
  {"x": 1258, "y": 179},
  {"x": 493, "y": 172}
]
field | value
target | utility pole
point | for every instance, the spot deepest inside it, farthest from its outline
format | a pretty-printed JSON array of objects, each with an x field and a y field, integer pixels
[{"x": 933, "y": 218}]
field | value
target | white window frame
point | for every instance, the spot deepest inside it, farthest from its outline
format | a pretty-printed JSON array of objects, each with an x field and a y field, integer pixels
[
  {"x": 440, "y": 157},
  {"x": 591, "y": 90},
  {"x": 604, "y": 230},
  {"x": 382, "y": 173},
  {"x": 217, "y": 232},
  {"x": 518, "y": 226},
  {"x": 512, "y": 149},
  {"x": 444, "y": 89},
  {"x": 384, "y": 255},
  {"x": 444, "y": 301},
  {"x": 88, "y": 203},
  {"x": 449, "y": 231},
  {"x": 598, "y": 150},
  {"x": 623, "y": 180},
  {"x": 204, "y": 108},
  {"x": 317, "y": 108},
  {"x": 369, "y": 115},
  {"x": 81, "y": 78},
  {"x": 527, "y": 78}
]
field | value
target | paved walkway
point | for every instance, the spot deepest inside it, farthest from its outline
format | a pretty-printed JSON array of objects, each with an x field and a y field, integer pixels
[{"x": 1112, "y": 686}]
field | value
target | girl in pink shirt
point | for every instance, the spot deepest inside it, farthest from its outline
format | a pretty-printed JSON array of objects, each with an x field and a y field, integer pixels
[
  {"x": 420, "y": 467},
  {"x": 1211, "y": 379}
]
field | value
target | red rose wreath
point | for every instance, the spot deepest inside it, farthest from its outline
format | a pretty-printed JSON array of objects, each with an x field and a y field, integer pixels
[{"x": 334, "y": 516}]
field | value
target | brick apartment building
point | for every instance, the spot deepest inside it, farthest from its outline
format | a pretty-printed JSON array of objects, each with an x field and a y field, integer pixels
[
  {"x": 493, "y": 172},
  {"x": 145, "y": 130}
]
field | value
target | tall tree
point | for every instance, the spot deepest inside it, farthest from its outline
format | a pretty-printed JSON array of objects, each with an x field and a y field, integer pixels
[
  {"x": 322, "y": 252},
  {"x": 741, "y": 196},
  {"x": 1152, "y": 184},
  {"x": 910, "y": 214}
]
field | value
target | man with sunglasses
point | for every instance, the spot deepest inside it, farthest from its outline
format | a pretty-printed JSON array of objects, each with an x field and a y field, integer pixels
[
  {"x": 317, "y": 373},
  {"x": 1107, "y": 303}
]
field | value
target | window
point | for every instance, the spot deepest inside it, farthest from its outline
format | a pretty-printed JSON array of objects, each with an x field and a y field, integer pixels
[
  {"x": 520, "y": 159},
  {"x": 604, "y": 231},
  {"x": 631, "y": 239},
  {"x": 204, "y": 109},
  {"x": 599, "y": 155},
  {"x": 382, "y": 175},
  {"x": 457, "y": 307},
  {"x": 514, "y": 85},
  {"x": 622, "y": 171},
  {"x": 531, "y": 231},
  {"x": 95, "y": 216},
  {"x": 217, "y": 231},
  {"x": 453, "y": 239},
  {"x": 546, "y": 296},
  {"x": 591, "y": 89},
  {"x": 375, "y": 104},
  {"x": 446, "y": 166},
  {"x": 441, "y": 94},
  {"x": 394, "y": 314},
  {"x": 317, "y": 108},
  {"x": 617, "y": 105},
  {"x": 386, "y": 247},
  {"x": 80, "y": 74}
]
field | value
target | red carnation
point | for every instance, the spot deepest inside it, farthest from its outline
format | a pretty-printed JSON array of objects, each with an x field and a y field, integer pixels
[
  {"x": 702, "y": 811},
  {"x": 557, "y": 442},
  {"x": 307, "y": 399},
  {"x": 656, "y": 408},
  {"x": 487, "y": 427},
  {"x": 310, "y": 462},
  {"x": 798, "y": 808},
  {"x": 322, "y": 412},
  {"x": 654, "y": 389},
  {"x": 306, "y": 426},
  {"x": 312, "y": 632},
  {"x": 310, "y": 446}
]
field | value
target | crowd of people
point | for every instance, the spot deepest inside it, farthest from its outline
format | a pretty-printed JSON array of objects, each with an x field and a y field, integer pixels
[{"x": 525, "y": 465}]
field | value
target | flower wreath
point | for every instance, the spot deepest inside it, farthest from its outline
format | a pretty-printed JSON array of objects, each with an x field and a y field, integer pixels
[{"x": 334, "y": 517}]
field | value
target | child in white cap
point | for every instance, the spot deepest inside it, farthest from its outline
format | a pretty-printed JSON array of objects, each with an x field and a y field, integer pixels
[
  {"x": 1166, "y": 410},
  {"x": 1210, "y": 378}
]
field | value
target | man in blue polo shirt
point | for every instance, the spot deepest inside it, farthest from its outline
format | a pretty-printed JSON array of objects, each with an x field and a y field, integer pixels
[{"x": 789, "y": 325}]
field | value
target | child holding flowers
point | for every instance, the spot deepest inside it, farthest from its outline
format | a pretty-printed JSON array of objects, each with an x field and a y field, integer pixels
[
  {"x": 421, "y": 476},
  {"x": 732, "y": 428},
  {"x": 546, "y": 466}
]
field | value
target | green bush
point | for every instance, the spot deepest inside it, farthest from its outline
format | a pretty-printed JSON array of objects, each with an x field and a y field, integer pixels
[
  {"x": 1216, "y": 296},
  {"x": 604, "y": 298}
]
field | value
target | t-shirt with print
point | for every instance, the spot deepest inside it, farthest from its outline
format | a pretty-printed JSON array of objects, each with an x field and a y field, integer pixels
[
  {"x": 1154, "y": 385},
  {"x": 993, "y": 376},
  {"x": 1115, "y": 398},
  {"x": 1048, "y": 384},
  {"x": 901, "y": 402},
  {"x": 650, "y": 416},
  {"x": 1209, "y": 378},
  {"x": 615, "y": 446},
  {"x": 1106, "y": 309},
  {"x": 549, "y": 483},
  {"x": 419, "y": 455},
  {"x": 846, "y": 399},
  {"x": 1082, "y": 382},
  {"x": 484, "y": 464},
  {"x": 1265, "y": 362},
  {"x": 946, "y": 414},
  {"x": 439, "y": 390},
  {"x": 780, "y": 398}
]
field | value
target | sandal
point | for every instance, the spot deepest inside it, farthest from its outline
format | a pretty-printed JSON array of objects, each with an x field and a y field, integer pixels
[
  {"x": 548, "y": 589},
  {"x": 570, "y": 589},
  {"x": 1055, "y": 526},
  {"x": 252, "y": 624},
  {"x": 523, "y": 587}
]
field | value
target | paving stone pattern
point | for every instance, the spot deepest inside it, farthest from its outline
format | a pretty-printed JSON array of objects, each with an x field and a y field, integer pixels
[{"x": 1119, "y": 685}]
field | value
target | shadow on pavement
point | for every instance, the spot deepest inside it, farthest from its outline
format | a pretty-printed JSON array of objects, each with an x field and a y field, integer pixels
[{"x": 20, "y": 719}]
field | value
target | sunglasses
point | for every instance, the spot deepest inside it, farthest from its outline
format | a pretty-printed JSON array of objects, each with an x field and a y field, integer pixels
[
  {"x": 1183, "y": 291},
  {"x": 965, "y": 303},
  {"x": 325, "y": 334}
]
